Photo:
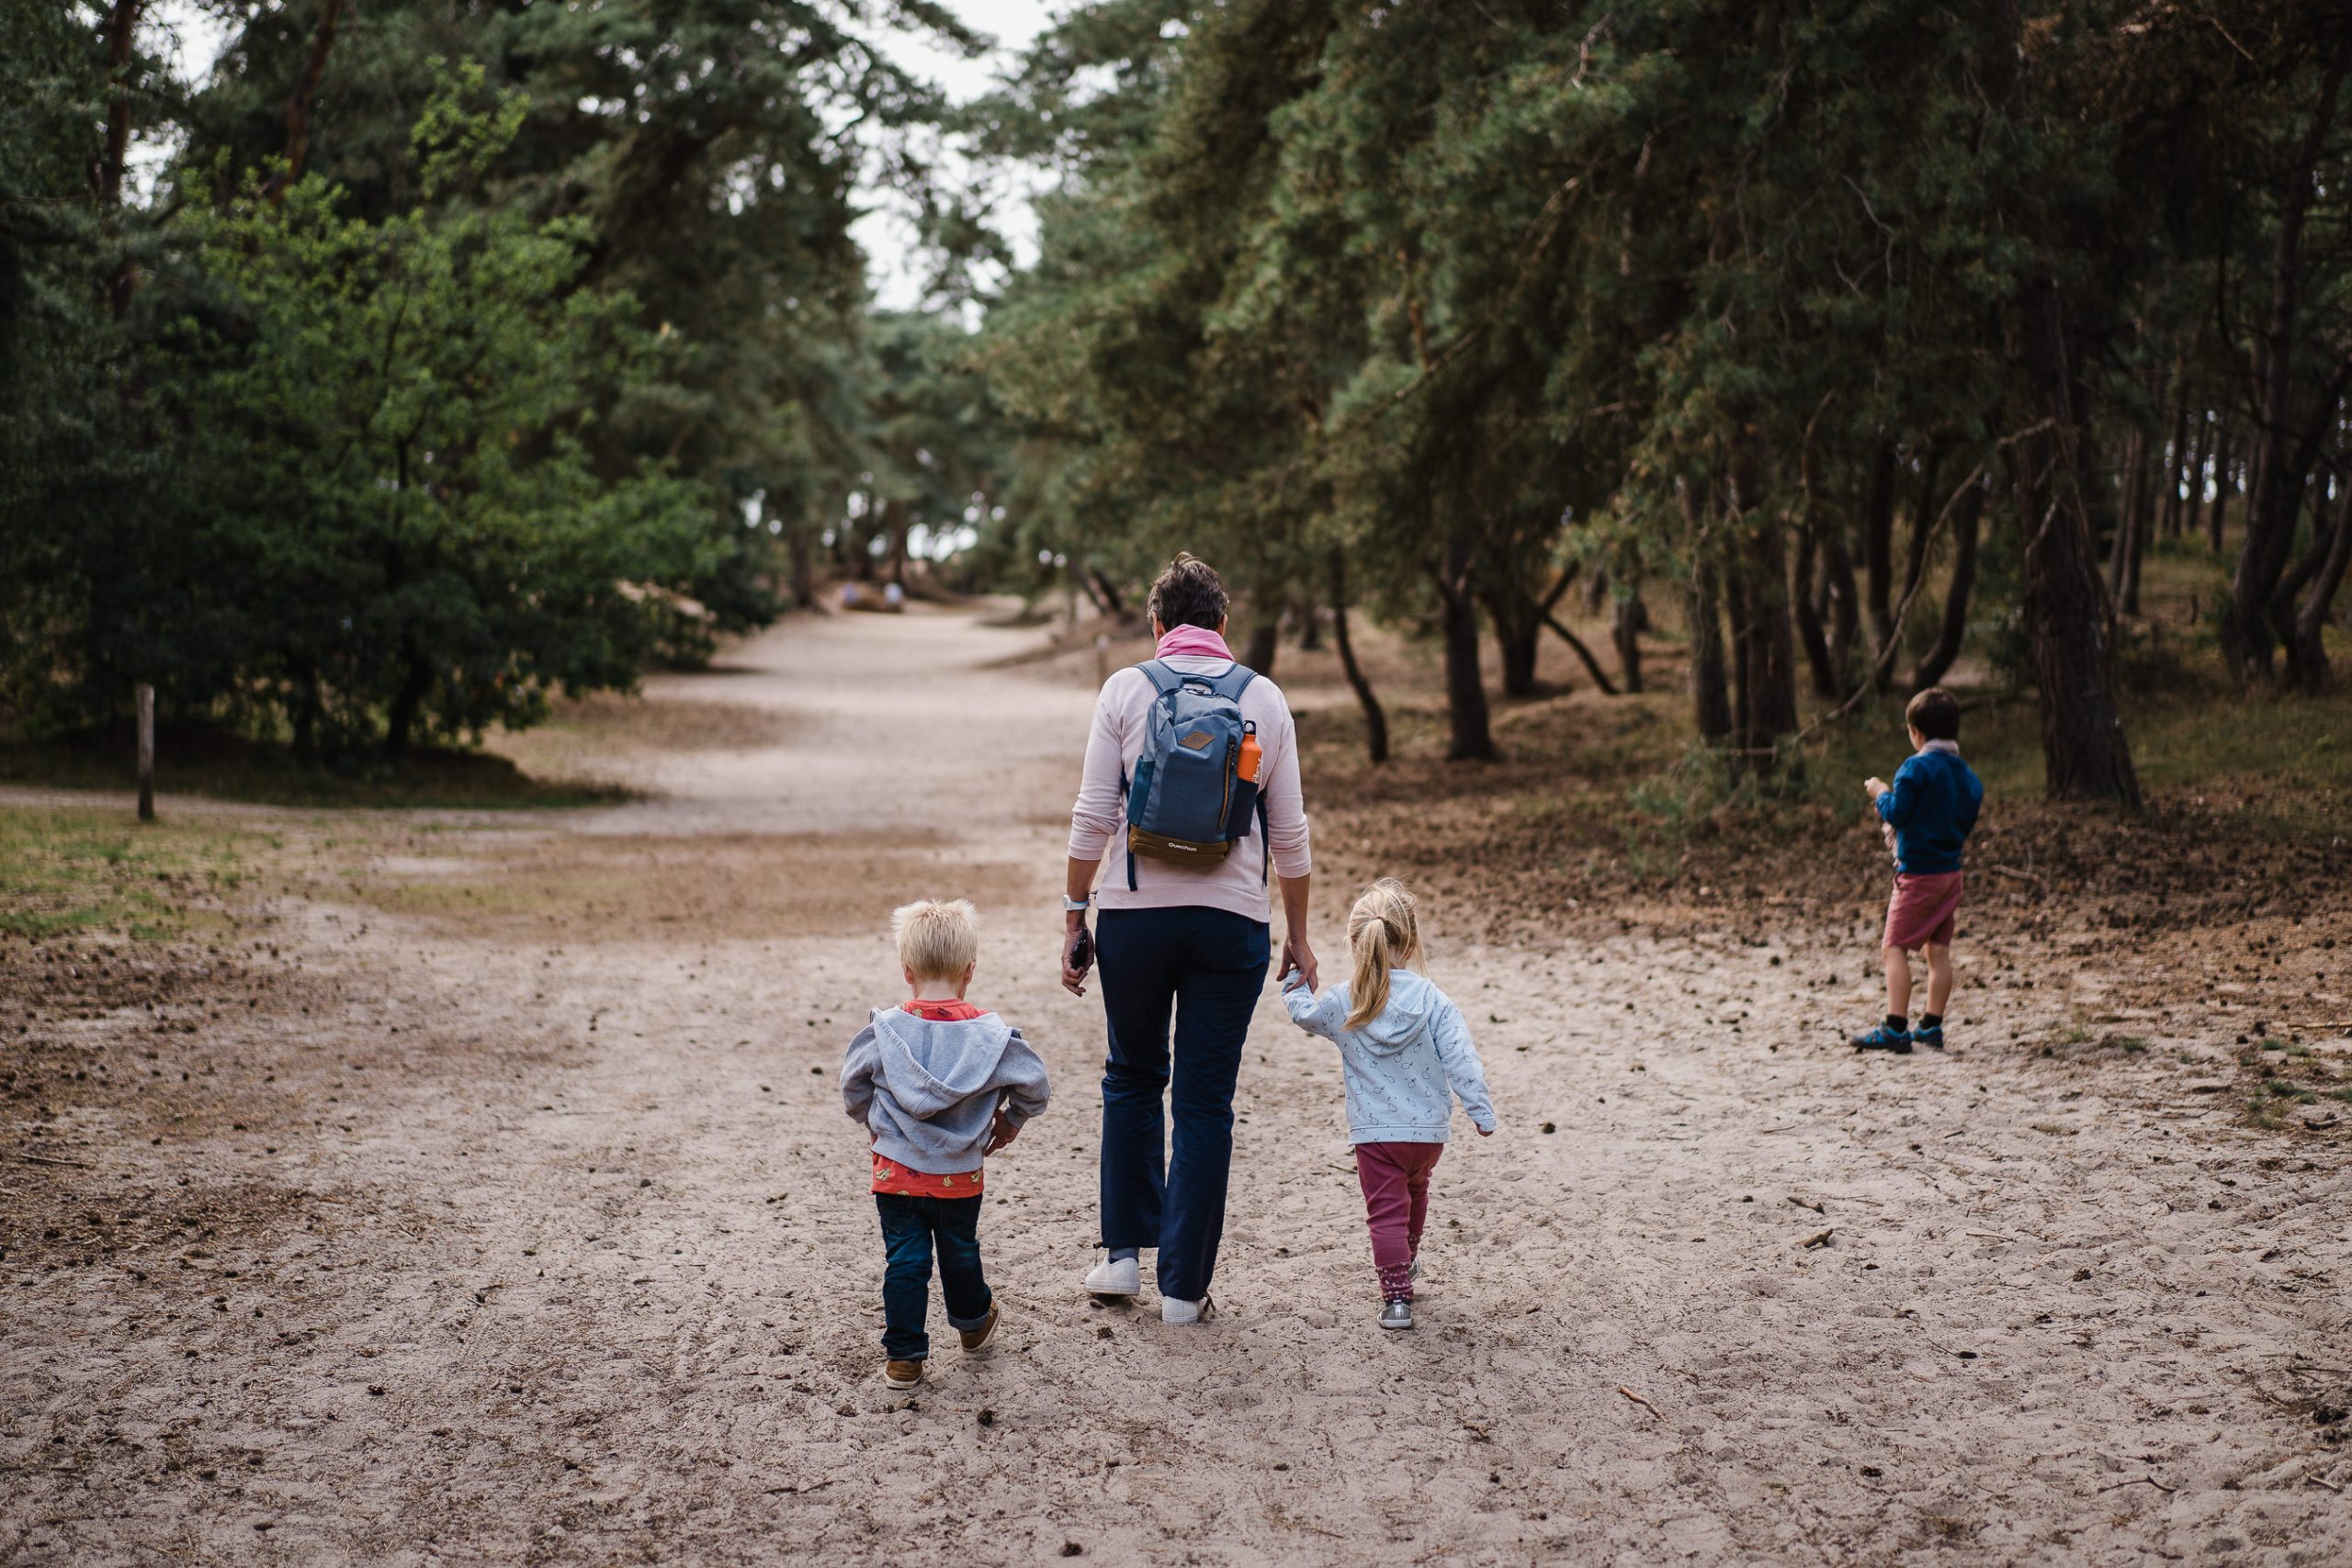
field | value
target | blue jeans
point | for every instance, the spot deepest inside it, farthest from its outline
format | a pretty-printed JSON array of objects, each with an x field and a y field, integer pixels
[
  {"x": 1208, "y": 967},
  {"x": 910, "y": 1227}
]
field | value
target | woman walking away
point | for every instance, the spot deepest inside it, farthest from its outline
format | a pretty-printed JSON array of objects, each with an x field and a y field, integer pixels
[
  {"x": 1406, "y": 1056},
  {"x": 1190, "y": 793}
]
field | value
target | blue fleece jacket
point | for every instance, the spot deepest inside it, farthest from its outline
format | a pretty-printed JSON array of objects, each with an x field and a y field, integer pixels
[
  {"x": 928, "y": 1090},
  {"x": 1931, "y": 804},
  {"x": 1399, "y": 1068}
]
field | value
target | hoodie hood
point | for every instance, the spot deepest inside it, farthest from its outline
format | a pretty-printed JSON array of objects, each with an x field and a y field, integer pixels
[
  {"x": 931, "y": 1065},
  {"x": 1405, "y": 1019}
]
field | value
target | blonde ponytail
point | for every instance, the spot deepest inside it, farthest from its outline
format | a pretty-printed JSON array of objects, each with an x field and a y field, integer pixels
[{"x": 1382, "y": 934}]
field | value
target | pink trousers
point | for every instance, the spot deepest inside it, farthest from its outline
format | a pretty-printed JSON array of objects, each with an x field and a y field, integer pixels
[{"x": 1395, "y": 1181}]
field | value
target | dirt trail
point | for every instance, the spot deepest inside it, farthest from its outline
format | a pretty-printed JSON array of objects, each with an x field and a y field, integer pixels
[{"x": 538, "y": 1235}]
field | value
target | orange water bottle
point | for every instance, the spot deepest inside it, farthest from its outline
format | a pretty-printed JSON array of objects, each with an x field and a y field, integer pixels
[{"x": 1252, "y": 755}]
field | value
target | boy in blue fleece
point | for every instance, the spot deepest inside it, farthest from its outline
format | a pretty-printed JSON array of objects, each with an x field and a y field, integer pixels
[
  {"x": 940, "y": 1086},
  {"x": 1930, "y": 810},
  {"x": 1404, "y": 1055}
]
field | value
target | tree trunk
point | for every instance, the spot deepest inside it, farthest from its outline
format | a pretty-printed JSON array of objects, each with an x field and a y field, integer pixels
[
  {"x": 2306, "y": 640},
  {"x": 105, "y": 176},
  {"x": 2135, "y": 550},
  {"x": 1878, "y": 551},
  {"x": 1584, "y": 654},
  {"x": 1710, "y": 701},
  {"x": 1106, "y": 593},
  {"x": 1845, "y": 608},
  {"x": 894, "y": 522},
  {"x": 2221, "y": 484},
  {"x": 2176, "y": 455},
  {"x": 803, "y": 569},
  {"x": 1923, "y": 520},
  {"x": 1375, "y": 721},
  {"x": 1808, "y": 616},
  {"x": 305, "y": 96},
  {"x": 2274, "y": 499},
  {"x": 1769, "y": 667},
  {"x": 1938, "y": 660},
  {"x": 2193, "y": 498},
  {"x": 2116, "y": 548},
  {"x": 1518, "y": 622},
  {"x": 1470, "y": 738},
  {"x": 1265, "y": 642},
  {"x": 1310, "y": 625},
  {"x": 1629, "y": 617},
  {"x": 2068, "y": 615},
  {"x": 416, "y": 684}
]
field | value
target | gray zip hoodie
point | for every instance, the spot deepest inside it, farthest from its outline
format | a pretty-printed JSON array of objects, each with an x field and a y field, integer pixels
[
  {"x": 1399, "y": 1067},
  {"x": 928, "y": 1090}
]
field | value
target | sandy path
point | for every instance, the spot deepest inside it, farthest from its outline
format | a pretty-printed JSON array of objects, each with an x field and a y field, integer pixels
[{"x": 543, "y": 1239}]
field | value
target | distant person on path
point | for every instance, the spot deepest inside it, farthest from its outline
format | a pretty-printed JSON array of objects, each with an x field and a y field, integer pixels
[
  {"x": 1406, "y": 1056},
  {"x": 1931, "y": 809},
  {"x": 939, "y": 1086},
  {"x": 1191, "y": 792}
]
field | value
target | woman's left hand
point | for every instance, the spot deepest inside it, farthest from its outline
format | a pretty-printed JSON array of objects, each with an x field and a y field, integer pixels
[{"x": 1298, "y": 955}]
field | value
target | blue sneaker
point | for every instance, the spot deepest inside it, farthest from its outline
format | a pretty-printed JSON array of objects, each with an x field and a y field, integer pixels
[
  {"x": 1930, "y": 1035},
  {"x": 1884, "y": 1038}
]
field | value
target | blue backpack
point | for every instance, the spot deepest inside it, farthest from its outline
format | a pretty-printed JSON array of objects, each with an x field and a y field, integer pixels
[{"x": 1190, "y": 803}]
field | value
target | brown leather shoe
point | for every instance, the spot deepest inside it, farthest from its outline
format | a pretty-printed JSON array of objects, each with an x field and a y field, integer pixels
[
  {"x": 978, "y": 1340},
  {"x": 901, "y": 1374}
]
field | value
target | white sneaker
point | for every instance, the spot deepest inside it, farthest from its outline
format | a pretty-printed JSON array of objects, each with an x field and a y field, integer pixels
[
  {"x": 1173, "y": 1311},
  {"x": 1115, "y": 1277}
]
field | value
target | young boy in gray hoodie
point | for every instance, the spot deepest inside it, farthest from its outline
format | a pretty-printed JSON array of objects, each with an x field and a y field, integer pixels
[
  {"x": 1406, "y": 1056},
  {"x": 940, "y": 1086}
]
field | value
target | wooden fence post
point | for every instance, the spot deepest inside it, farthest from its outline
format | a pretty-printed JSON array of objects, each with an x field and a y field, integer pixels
[{"x": 146, "y": 752}]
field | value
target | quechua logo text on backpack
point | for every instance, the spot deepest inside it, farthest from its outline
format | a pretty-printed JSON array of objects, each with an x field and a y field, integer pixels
[{"x": 1195, "y": 786}]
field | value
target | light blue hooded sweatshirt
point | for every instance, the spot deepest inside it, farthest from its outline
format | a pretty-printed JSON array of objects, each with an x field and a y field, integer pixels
[
  {"x": 1400, "y": 1068},
  {"x": 929, "y": 1089}
]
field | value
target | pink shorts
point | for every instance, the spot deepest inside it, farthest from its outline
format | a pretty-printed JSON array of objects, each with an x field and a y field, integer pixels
[{"x": 1923, "y": 910}]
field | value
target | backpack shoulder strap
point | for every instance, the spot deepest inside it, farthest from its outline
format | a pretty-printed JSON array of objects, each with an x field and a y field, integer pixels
[
  {"x": 1232, "y": 683},
  {"x": 1162, "y": 678}
]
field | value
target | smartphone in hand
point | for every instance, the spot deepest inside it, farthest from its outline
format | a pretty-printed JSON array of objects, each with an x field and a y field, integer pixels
[{"x": 1082, "y": 952}]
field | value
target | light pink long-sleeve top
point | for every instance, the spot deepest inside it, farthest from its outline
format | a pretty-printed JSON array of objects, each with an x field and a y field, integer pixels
[{"x": 1097, "y": 821}]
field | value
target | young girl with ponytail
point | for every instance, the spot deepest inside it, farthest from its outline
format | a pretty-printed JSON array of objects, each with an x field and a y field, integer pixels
[{"x": 1406, "y": 1055}]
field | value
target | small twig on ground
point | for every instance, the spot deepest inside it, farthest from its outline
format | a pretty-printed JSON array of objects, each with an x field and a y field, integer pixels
[
  {"x": 812, "y": 1486},
  {"x": 2034, "y": 877},
  {"x": 1819, "y": 1238},
  {"x": 2139, "y": 1480},
  {"x": 1639, "y": 1400},
  {"x": 1803, "y": 1203},
  {"x": 49, "y": 1159}
]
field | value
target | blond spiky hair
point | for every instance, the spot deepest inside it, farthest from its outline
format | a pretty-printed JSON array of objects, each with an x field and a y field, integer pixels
[{"x": 938, "y": 938}]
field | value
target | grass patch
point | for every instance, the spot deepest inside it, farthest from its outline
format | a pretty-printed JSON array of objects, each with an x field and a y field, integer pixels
[
  {"x": 194, "y": 759},
  {"x": 73, "y": 869}
]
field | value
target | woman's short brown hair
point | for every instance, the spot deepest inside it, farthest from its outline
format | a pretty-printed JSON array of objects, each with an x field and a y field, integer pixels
[
  {"x": 1935, "y": 713},
  {"x": 1189, "y": 594}
]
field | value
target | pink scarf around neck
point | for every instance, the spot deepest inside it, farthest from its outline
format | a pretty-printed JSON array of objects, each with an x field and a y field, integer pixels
[{"x": 1196, "y": 641}]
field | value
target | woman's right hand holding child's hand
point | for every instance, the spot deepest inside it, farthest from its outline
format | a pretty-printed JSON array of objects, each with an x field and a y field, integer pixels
[{"x": 1294, "y": 979}]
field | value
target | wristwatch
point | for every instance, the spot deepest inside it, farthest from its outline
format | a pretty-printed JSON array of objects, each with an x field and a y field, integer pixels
[{"x": 1075, "y": 906}]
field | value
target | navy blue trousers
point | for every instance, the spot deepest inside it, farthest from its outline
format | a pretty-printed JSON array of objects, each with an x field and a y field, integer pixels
[
  {"x": 1165, "y": 1188},
  {"x": 911, "y": 1228}
]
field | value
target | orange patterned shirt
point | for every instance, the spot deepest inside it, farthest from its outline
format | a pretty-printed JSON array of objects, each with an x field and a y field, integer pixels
[{"x": 890, "y": 1175}]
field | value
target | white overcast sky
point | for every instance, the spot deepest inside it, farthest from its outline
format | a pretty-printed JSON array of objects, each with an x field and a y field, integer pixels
[{"x": 886, "y": 235}]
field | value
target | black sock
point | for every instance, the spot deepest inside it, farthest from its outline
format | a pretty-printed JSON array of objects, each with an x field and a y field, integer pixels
[
  {"x": 1122, "y": 1253},
  {"x": 1931, "y": 1020},
  {"x": 1896, "y": 1021}
]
